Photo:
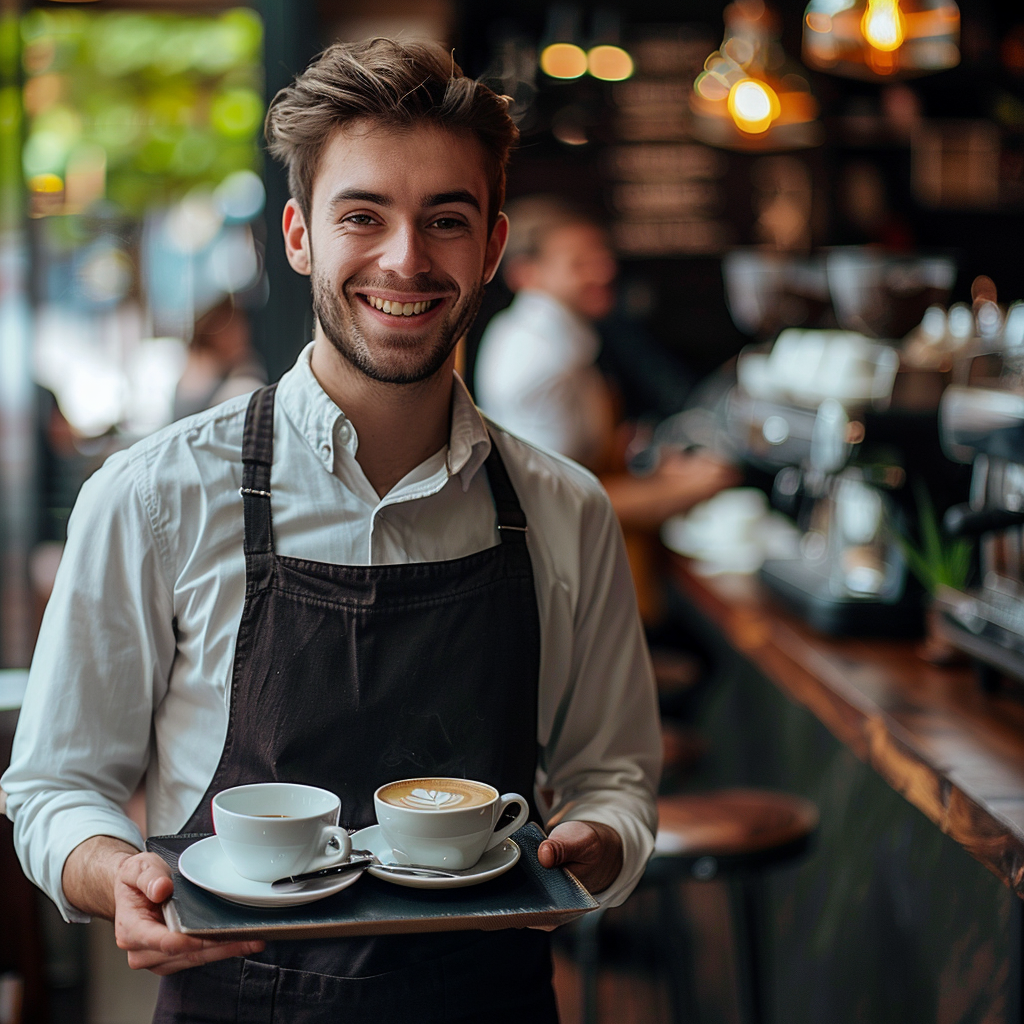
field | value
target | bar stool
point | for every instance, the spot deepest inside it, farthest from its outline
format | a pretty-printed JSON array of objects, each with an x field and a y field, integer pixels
[{"x": 735, "y": 833}]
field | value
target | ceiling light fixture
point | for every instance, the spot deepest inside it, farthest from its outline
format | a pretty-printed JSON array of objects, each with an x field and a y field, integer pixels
[
  {"x": 881, "y": 38},
  {"x": 746, "y": 98}
]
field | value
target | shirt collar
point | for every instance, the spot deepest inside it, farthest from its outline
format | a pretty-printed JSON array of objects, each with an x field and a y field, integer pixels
[{"x": 324, "y": 425}]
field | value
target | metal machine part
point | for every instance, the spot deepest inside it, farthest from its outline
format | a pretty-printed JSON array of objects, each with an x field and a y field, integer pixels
[
  {"x": 984, "y": 426},
  {"x": 798, "y": 411}
]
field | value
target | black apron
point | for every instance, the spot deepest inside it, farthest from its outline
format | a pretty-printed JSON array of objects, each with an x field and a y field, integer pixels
[{"x": 348, "y": 677}]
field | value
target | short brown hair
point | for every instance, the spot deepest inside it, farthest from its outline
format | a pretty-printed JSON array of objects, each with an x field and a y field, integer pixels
[
  {"x": 393, "y": 83},
  {"x": 533, "y": 219}
]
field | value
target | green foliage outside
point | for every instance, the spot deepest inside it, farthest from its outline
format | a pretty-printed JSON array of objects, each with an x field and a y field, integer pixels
[{"x": 164, "y": 101}]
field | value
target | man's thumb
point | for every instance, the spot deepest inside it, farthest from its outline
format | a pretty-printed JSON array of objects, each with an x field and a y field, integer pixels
[{"x": 551, "y": 853}]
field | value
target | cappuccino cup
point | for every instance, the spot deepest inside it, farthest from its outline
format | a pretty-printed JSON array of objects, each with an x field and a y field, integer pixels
[
  {"x": 445, "y": 823},
  {"x": 272, "y": 829}
]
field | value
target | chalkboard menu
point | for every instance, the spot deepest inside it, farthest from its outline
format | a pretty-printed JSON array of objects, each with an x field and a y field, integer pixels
[{"x": 664, "y": 188}]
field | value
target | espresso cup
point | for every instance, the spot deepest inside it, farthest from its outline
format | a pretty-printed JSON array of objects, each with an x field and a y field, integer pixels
[
  {"x": 272, "y": 829},
  {"x": 444, "y": 823}
]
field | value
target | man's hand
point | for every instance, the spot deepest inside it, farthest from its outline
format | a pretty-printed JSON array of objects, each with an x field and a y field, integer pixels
[
  {"x": 142, "y": 884},
  {"x": 697, "y": 477},
  {"x": 590, "y": 850},
  {"x": 108, "y": 878}
]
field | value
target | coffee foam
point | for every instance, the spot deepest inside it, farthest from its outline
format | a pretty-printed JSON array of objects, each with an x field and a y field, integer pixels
[{"x": 437, "y": 794}]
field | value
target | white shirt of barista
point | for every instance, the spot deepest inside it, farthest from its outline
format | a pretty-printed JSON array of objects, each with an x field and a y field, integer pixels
[
  {"x": 133, "y": 666},
  {"x": 535, "y": 375}
]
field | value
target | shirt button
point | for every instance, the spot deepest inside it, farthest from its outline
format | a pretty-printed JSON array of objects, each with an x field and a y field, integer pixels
[
  {"x": 325, "y": 450},
  {"x": 344, "y": 433}
]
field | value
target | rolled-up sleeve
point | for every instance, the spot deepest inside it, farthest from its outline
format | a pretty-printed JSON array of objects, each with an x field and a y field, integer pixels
[
  {"x": 603, "y": 759},
  {"x": 100, "y": 666}
]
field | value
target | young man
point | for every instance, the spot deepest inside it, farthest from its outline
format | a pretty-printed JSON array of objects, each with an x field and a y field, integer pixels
[{"x": 401, "y": 589}]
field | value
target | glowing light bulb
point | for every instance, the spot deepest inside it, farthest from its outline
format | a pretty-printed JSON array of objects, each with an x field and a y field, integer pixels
[
  {"x": 610, "y": 63},
  {"x": 883, "y": 25},
  {"x": 753, "y": 105},
  {"x": 563, "y": 60}
]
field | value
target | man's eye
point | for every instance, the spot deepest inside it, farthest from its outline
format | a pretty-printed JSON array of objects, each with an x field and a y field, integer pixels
[
  {"x": 359, "y": 219},
  {"x": 449, "y": 223}
]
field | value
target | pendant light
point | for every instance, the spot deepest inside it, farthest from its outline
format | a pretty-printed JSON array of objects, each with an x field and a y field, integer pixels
[
  {"x": 881, "y": 38},
  {"x": 562, "y": 57},
  {"x": 748, "y": 97}
]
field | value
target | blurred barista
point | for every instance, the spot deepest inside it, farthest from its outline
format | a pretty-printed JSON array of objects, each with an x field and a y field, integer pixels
[{"x": 536, "y": 374}]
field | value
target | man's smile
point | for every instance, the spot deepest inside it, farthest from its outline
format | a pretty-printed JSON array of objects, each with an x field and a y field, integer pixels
[{"x": 392, "y": 305}]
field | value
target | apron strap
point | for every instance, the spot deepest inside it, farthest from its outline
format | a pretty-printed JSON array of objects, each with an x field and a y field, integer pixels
[
  {"x": 511, "y": 518},
  {"x": 257, "y": 457}
]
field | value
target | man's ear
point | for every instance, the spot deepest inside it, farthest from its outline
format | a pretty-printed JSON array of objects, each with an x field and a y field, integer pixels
[
  {"x": 296, "y": 238},
  {"x": 495, "y": 247}
]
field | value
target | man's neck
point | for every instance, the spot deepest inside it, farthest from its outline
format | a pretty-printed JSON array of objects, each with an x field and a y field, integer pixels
[{"x": 399, "y": 425}]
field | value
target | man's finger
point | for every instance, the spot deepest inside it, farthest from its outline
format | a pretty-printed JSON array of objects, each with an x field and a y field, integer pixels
[
  {"x": 135, "y": 932},
  {"x": 591, "y": 851},
  {"x": 569, "y": 842},
  {"x": 159, "y": 963},
  {"x": 142, "y": 869}
]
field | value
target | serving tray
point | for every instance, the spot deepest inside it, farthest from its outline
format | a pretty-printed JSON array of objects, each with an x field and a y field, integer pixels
[{"x": 527, "y": 895}]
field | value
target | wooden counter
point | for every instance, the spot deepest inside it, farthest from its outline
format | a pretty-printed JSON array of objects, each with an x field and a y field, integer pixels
[
  {"x": 907, "y": 909},
  {"x": 953, "y": 752}
]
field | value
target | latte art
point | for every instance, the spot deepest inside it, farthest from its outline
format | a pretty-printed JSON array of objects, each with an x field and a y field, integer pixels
[
  {"x": 437, "y": 794},
  {"x": 432, "y": 799}
]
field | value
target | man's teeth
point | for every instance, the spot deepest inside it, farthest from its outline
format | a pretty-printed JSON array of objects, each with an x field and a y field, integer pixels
[{"x": 399, "y": 308}]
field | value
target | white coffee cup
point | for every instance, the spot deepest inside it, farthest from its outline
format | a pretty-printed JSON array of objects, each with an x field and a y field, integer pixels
[
  {"x": 272, "y": 829},
  {"x": 444, "y": 823}
]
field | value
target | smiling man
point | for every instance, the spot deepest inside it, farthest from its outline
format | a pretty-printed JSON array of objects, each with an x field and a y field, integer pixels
[{"x": 349, "y": 578}]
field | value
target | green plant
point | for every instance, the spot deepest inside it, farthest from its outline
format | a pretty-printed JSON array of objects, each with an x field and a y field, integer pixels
[{"x": 938, "y": 561}]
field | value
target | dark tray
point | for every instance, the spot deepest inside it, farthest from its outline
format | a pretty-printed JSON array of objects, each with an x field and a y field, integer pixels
[{"x": 527, "y": 895}]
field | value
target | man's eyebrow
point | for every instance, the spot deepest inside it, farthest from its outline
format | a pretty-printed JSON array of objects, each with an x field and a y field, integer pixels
[
  {"x": 458, "y": 195},
  {"x": 358, "y": 195}
]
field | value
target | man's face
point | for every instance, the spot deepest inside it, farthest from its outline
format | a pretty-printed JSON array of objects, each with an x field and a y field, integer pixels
[
  {"x": 397, "y": 246},
  {"x": 576, "y": 266}
]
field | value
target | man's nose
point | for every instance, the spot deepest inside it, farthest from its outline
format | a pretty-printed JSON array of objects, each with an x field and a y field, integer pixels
[{"x": 405, "y": 252}]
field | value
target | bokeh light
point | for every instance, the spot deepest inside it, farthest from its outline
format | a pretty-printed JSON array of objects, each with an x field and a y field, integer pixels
[
  {"x": 609, "y": 63},
  {"x": 563, "y": 60},
  {"x": 753, "y": 105},
  {"x": 883, "y": 25}
]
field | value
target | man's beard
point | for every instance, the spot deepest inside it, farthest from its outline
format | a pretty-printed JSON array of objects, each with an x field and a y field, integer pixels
[{"x": 399, "y": 359}]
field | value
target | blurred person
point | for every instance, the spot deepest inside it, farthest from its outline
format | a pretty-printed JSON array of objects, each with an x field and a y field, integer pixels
[
  {"x": 221, "y": 362},
  {"x": 536, "y": 374},
  {"x": 398, "y": 590}
]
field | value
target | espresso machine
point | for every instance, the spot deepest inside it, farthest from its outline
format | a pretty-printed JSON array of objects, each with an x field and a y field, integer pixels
[
  {"x": 982, "y": 424},
  {"x": 799, "y": 412},
  {"x": 825, "y": 411}
]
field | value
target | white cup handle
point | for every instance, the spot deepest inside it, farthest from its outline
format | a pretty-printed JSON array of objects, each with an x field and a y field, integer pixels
[
  {"x": 331, "y": 835},
  {"x": 520, "y": 820}
]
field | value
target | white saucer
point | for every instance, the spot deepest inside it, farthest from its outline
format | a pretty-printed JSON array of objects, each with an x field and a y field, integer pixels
[
  {"x": 205, "y": 865},
  {"x": 493, "y": 863}
]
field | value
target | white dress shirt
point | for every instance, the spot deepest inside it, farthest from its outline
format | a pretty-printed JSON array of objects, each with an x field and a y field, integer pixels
[
  {"x": 535, "y": 375},
  {"x": 132, "y": 670}
]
